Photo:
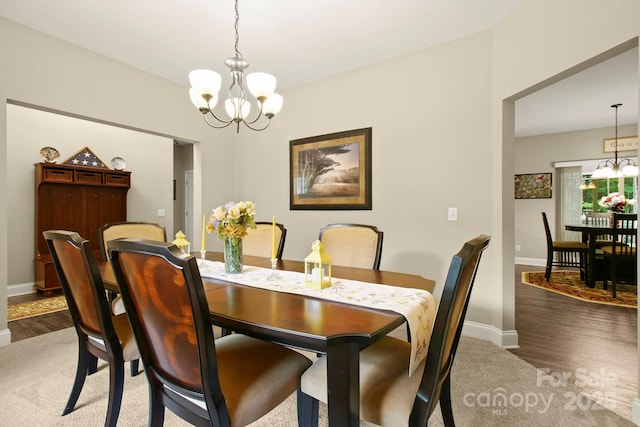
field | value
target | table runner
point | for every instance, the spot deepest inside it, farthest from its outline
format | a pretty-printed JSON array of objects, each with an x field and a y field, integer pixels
[{"x": 416, "y": 305}]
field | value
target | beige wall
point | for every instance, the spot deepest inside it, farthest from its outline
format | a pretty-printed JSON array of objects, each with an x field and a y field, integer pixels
[
  {"x": 442, "y": 134},
  {"x": 536, "y": 154},
  {"x": 28, "y": 130}
]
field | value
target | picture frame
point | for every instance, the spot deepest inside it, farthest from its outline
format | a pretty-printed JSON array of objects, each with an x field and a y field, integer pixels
[
  {"x": 331, "y": 172},
  {"x": 626, "y": 143},
  {"x": 533, "y": 186}
]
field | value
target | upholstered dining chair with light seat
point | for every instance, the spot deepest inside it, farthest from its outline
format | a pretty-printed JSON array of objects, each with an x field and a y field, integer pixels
[
  {"x": 388, "y": 395},
  {"x": 259, "y": 240},
  {"x": 564, "y": 253},
  {"x": 621, "y": 258},
  {"x": 353, "y": 245},
  {"x": 100, "y": 335},
  {"x": 131, "y": 229},
  {"x": 231, "y": 381}
]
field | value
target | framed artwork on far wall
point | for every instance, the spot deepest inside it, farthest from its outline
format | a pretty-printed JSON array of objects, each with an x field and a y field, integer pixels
[
  {"x": 533, "y": 186},
  {"x": 331, "y": 172}
]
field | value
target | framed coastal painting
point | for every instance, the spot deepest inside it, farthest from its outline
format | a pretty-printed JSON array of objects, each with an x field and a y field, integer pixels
[
  {"x": 533, "y": 186},
  {"x": 331, "y": 172}
]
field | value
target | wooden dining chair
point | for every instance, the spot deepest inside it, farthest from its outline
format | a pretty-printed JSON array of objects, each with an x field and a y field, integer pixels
[
  {"x": 388, "y": 395},
  {"x": 231, "y": 381},
  {"x": 259, "y": 240},
  {"x": 131, "y": 229},
  {"x": 602, "y": 219},
  {"x": 564, "y": 253},
  {"x": 621, "y": 257},
  {"x": 353, "y": 245},
  {"x": 100, "y": 335}
]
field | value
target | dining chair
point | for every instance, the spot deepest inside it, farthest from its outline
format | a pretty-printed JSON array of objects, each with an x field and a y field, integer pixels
[
  {"x": 621, "y": 257},
  {"x": 100, "y": 335},
  {"x": 353, "y": 245},
  {"x": 231, "y": 381},
  {"x": 564, "y": 253},
  {"x": 131, "y": 229},
  {"x": 259, "y": 240},
  {"x": 388, "y": 395},
  {"x": 602, "y": 219}
]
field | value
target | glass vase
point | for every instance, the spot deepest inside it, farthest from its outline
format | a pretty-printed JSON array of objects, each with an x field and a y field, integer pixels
[{"x": 232, "y": 255}]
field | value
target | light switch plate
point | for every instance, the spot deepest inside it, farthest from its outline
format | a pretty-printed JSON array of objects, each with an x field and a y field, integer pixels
[
  {"x": 452, "y": 214},
  {"x": 161, "y": 212}
]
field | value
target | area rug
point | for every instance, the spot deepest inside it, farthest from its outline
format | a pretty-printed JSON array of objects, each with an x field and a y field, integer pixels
[
  {"x": 569, "y": 283},
  {"x": 36, "y": 308}
]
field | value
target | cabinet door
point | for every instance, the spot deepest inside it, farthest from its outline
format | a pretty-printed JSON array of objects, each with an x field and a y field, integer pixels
[
  {"x": 103, "y": 205},
  {"x": 59, "y": 208}
]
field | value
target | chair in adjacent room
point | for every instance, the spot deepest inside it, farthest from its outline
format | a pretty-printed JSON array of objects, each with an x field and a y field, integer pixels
[
  {"x": 564, "y": 253},
  {"x": 388, "y": 395},
  {"x": 231, "y": 381},
  {"x": 100, "y": 335},
  {"x": 259, "y": 240},
  {"x": 601, "y": 219},
  {"x": 353, "y": 245},
  {"x": 621, "y": 257}
]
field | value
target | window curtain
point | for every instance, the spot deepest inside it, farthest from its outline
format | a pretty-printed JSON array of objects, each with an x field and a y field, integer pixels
[{"x": 569, "y": 202}]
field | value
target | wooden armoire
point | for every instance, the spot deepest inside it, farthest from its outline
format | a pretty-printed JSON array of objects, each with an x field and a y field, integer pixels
[{"x": 74, "y": 198}]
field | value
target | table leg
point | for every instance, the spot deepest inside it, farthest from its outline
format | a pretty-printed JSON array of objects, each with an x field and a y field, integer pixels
[
  {"x": 591, "y": 259},
  {"x": 343, "y": 384}
]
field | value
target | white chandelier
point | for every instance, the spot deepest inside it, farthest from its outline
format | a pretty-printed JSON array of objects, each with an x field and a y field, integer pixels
[
  {"x": 616, "y": 168},
  {"x": 205, "y": 85}
]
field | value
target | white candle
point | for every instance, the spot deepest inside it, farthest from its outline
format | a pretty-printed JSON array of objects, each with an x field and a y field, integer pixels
[
  {"x": 315, "y": 275},
  {"x": 273, "y": 238},
  {"x": 204, "y": 238}
]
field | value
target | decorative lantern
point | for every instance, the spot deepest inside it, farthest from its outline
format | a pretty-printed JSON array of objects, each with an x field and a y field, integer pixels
[
  {"x": 182, "y": 243},
  {"x": 317, "y": 267}
]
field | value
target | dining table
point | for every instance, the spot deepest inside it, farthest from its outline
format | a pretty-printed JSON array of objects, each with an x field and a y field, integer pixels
[
  {"x": 336, "y": 329},
  {"x": 590, "y": 232}
]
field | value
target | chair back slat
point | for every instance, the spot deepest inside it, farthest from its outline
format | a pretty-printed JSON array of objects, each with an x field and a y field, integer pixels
[{"x": 448, "y": 327}]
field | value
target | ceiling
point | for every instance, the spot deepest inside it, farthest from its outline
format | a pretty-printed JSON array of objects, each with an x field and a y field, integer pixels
[{"x": 304, "y": 41}]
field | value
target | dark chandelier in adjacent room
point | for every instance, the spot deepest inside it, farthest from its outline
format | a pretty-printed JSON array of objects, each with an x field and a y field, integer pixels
[
  {"x": 616, "y": 168},
  {"x": 205, "y": 85}
]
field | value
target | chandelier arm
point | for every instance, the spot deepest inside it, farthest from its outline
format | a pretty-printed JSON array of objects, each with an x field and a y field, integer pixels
[
  {"x": 255, "y": 128},
  {"x": 214, "y": 125},
  {"x": 256, "y": 119}
]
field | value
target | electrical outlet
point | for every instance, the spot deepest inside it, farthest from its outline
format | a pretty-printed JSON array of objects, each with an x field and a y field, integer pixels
[
  {"x": 161, "y": 212},
  {"x": 518, "y": 248},
  {"x": 452, "y": 214}
]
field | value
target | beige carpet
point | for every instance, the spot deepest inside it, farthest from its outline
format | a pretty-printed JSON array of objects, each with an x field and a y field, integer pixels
[{"x": 36, "y": 375}]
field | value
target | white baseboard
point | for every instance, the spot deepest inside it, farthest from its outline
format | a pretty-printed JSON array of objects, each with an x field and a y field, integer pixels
[
  {"x": 5, "y": 337},
  {"x": 635, "y": 411},
  {"x": 531, "y": 261},
  {"x": 504, "y": 339},
  {"x": 21, "y": 289}
]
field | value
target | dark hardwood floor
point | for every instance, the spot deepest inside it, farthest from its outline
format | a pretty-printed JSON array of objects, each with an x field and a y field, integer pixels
[
  {"x": 588, "y": 342},
  {"x": 33, "y": 326},
  {"x": 593, "y": 345}
]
